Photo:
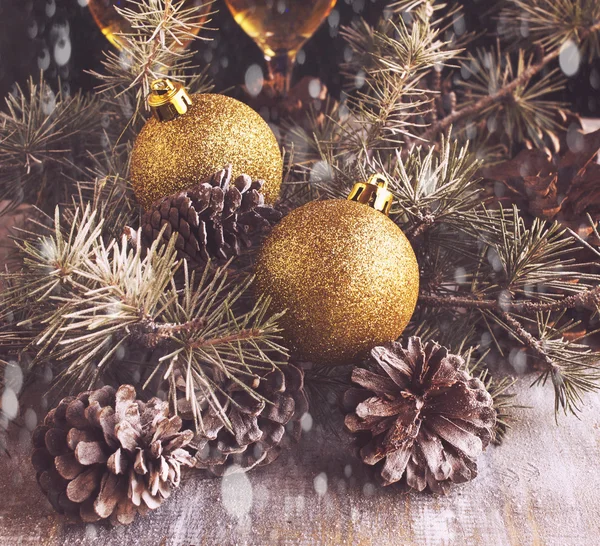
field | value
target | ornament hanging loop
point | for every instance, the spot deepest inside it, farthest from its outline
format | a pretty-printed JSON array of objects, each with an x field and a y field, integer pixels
[
  {"x": 373, "y": 193},
  {"x": 168, "y": 99}
]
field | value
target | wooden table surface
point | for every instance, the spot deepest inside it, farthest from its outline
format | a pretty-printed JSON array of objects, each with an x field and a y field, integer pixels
[{"x": 542, "y": 487}]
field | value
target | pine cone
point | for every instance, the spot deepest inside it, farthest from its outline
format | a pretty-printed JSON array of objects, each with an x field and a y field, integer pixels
[
  {"x": 214, "y": 219},
  {"x": 259, "y": 428},
  {"x": 563, "y": 187},
  {"x": 419, "y": 416},
  {"x": 107, "y": 456}
]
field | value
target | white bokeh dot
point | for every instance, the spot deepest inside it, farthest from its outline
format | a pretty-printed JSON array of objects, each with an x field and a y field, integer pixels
[
  {"x": 44, "y": 60},
  {"x": 13, "y": 376},
  {"x": 254, "y": 79},
  {"x": 359, "y": 79},
  {"x": 569, "y": 58},
  {"x": 91, "y": 531},
  {"x": 30, "y": 419},
  {"x": 369, "y": 489},
  {"x": 50, "y": 8},
  {"x": 321, "y": 172},
  {"x": 518, "y": 360},
  {"x": 314, "y": 88},
  {"x": 62, "y": 51},
  {"x": 306, "y": 422},
  {"x": 32, "y": 30},
  {"x": 334, "y": 18},
  {"x": 320, "y": 484},
  {"x": 10, "y": 403},
  {"x": 236, "y": 492}
]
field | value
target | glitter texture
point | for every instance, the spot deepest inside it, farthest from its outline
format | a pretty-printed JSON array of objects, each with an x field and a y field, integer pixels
[
  {"x": 346, "y": 275},
  {"x": 171, "y": 156}
]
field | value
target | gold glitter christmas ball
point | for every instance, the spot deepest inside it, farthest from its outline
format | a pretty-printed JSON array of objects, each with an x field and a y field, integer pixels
[
  {"x": 190, "y": 138},
  {"x": 346, "y": 275}
]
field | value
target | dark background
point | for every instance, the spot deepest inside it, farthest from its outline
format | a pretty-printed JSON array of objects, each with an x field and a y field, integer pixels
[{"x": 31, "y": 29}]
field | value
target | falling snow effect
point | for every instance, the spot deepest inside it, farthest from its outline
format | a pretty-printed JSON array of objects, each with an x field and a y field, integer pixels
[
  {"x": 320, "y": 484},
  {"x": 570, "y": 58},
  {"x": 236, "y": 493}
]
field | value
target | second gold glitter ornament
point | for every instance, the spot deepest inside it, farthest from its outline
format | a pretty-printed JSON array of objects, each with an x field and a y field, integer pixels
[
  {"x": 345, "y": 274},
  {"x": 191, "y": 137}
]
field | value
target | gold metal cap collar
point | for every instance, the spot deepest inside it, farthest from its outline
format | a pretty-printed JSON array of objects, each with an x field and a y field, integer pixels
[
  {"x": 168, "y": 99},
  {"x": 373, "y": 193}
]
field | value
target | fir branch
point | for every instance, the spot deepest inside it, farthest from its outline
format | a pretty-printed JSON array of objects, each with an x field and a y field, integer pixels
[
  {"x": 525, "y": 114},
  {"x": 434, "y": 187},
  {"x": 392, "y": 44},
  {"x": 573, "y": 368},
  {"x": 39, "y": 125},
  {"x": 151, "y": 334},
  {"x": 540, "y": 255},
  {"x": 151, "y": 50},
  {"x": 589, "y": 299},
  {"x": 553, "y": 23},
  {"x": 43, "y": 133},
  {"x": 89, "y": 300},
  {"x": 487, "y": 101},
  {"x": 392, "y": 59},
  {"x": 583, "y": 32}
]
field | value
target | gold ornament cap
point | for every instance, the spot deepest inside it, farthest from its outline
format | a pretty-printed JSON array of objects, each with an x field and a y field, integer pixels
[
  {"x": 373, "y": 193},
  {"x": 168, "y": 99}
]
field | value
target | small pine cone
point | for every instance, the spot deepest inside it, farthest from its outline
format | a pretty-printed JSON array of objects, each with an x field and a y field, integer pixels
[
  {"x": 104, "y": 455},
  {"x": 259, "y": 429},
  {"x": 213, "y": 220},
  {"x": 419, "y": 416}
]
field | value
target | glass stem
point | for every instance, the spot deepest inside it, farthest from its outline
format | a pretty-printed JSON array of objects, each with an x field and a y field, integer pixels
[{"x": 280, "y": 69}]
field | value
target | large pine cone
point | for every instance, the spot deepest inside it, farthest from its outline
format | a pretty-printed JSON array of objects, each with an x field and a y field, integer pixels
[
  {"x": 107, "y": 456},
  {"x": 259, "y": 429},
  {"x": 419, "y": 416},
  {"x": 213, "y": 220}
]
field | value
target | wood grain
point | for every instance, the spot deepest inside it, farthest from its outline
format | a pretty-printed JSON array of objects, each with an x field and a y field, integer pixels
[{"x": 542, "y": 487}]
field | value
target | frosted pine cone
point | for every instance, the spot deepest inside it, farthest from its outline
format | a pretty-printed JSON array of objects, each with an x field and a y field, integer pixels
[
  {"x": 258, "y": 428},
  {"x": 418, "y": 416},
  {"x": 107, "y": 456}
]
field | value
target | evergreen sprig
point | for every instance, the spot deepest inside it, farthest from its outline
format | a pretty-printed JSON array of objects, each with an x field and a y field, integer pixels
[
  {"x": 42, "y": 135},
  {"x": 151, "y": 49},
  {"x": 555, "y": 23},
  {"x": 527, "y": 115},
  {"x": 89, "y": 303}
]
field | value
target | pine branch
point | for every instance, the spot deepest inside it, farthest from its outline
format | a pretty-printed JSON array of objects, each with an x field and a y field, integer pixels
[
  {"x": 152, "y": 49},
  {"x": 393, "y": 59},
  {"x": 554, "y": 23},
  {"x": 507, "y": 90},
  {"x": 42, "y": 134},
  {"x": 527, "y": 339},
  {"x": 573, "y": 368},
  {"x": 84, "y": 301},
  {"x": 151, "y": 334},
  {"x": 487, "y": 101},
  {"x": 590, "y": 299}
]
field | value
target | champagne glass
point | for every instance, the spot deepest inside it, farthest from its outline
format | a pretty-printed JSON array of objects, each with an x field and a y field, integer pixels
[
  {"x": 280, "y": 28},
  {"x": 112, "y": 24}
]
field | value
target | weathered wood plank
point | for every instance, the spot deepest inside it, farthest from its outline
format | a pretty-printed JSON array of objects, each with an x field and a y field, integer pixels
[{"x": 541, "y": 488}]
